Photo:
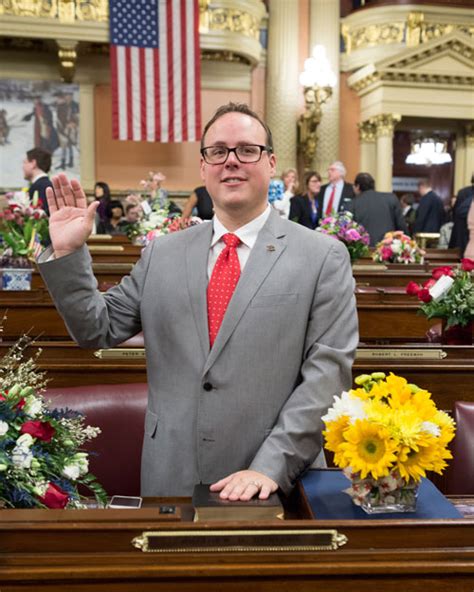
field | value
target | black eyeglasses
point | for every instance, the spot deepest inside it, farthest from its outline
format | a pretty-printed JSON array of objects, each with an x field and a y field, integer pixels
[{"x": 245, "y": 153}]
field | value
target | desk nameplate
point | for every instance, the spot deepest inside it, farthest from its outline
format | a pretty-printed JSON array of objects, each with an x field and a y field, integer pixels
[
  {"x": 106, "y": 248},
  {"x": 120, "y": 353},
  {"x": 401, "y": 354},
  {"x": 236, "y": 541}
]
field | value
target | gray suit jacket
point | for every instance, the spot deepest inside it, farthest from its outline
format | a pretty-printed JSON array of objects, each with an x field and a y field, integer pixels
[
  {"x": 285, "y": 348},
  {"x": 378, "y": 213}
]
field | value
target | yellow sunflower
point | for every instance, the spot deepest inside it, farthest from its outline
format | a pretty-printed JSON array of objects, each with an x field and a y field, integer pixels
[
  {"x": 368, "y": 449},
  {"x": 413, "y": 464},
  {"x": 334, "y": 432},
  {"x": 447, "y": 426}
]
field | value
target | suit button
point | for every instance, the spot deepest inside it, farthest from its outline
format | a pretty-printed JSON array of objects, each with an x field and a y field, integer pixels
[{"x": 207, "y": 386}]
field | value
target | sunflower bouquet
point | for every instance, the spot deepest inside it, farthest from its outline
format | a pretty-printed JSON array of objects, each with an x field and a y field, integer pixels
[{"x": 385, "y": 435}]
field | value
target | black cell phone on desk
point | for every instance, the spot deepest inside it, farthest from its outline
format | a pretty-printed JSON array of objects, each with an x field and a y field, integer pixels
[{"x": 125, "y": 502}]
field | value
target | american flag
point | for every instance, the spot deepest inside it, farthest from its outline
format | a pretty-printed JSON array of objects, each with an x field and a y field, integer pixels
[
  {"x": 35, "y": 247},
  {"x": 155, "y": 61}
]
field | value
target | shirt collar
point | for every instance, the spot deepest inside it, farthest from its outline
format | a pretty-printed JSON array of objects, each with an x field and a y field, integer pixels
[
  {"x": 38, "y": 177},
  {"x": 247, "y": 233}
]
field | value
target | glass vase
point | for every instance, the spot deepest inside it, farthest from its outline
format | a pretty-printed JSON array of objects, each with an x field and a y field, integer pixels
[
  {"x": 402, "y": 499},
  {"x": 381, "y": 496}
]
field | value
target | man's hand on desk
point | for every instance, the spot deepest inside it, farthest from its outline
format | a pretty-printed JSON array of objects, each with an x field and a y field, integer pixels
[{"x": 244, "y": 485}]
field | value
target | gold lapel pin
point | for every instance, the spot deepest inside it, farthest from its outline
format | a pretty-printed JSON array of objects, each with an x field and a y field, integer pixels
[{"x": 270, "y": 247}]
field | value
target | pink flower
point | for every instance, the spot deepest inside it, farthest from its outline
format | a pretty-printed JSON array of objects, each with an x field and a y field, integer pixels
[
  {"x": 467, "y": 264},
  {"x": 412, "y": 289},
  {"x": 386, "y": 253},
  {"x": 352, "y": 235},
  {"x": 424, "y": 295},
  {"x": 444, "y": 270}
]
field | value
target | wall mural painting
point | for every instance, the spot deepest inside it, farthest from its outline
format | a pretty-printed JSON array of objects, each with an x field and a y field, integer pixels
[{"x": 38, "y": 114}]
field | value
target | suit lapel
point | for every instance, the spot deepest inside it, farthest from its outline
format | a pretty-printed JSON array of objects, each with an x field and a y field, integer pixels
[
  {"x": 197, "y": 255},
  {"x": 269, "y": 246}
]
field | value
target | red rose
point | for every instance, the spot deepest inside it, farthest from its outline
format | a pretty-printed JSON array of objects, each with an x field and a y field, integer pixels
[
  {"x": 42, "y": 430},
  {"x": 21, "y": 403},
  {"x": 412, "y": 289},
  {"x": 444, "y": 270},
  {"x": 429, "y": 284},
  {"x": 54, "y": 498},
  {"x": 424, "y": 295},
  {"x": 467, "y": 264}
]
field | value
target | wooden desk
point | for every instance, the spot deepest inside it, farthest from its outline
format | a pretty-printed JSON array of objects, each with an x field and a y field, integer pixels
[{"x": 64, "y": 550}]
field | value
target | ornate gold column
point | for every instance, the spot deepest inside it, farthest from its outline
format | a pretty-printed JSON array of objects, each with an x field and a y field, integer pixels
[
  {"x": 87, "y": 135},
  {"x": 385, "y": 125},
  {"x": 368, "y": 151},
  {"x": 324, "y": 30},
  {"x": 283, "y": 89},
  {"x": 469, "y": 158}
]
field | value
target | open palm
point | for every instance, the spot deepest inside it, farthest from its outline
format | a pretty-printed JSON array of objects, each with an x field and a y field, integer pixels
[{"x": 71, "y": 219}]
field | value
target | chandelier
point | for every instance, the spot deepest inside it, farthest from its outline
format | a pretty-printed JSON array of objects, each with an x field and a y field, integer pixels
[{"x": 428, "y": 151}]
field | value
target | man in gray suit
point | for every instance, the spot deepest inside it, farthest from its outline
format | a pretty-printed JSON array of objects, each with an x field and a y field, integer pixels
[
  {"x": 377, "y": 212},
  {"x": 244, "y": 414}
]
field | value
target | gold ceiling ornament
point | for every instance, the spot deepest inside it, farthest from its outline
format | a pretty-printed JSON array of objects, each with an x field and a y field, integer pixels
[
  {"x": 372, "y": 35},
  {"x": 367, "y": 131},
  {"x": 414, "y": 24},
  {"x": 67, "y": 55},
  {"x": 223, "y": 56},
  {"x": 385, "y": 123},
  {"x": 233, "y": 21},
  {"x": 66, "y": 11}
]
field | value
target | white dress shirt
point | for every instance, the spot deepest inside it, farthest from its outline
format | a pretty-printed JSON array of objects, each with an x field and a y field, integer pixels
[
  {"x": 337, "y": 196},
  {"x": 247, "y": 234}
]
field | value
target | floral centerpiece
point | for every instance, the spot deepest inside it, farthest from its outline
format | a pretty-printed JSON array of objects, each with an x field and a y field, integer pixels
[
  {"x": 23, "y": 228},
  {"x": 343, "y": 227},
  {"x": 397, "y": 247},
  {"x": 385, "y": 435},
  {"x": 41, "y": 457},
  {"x": 448, "y": 295}
]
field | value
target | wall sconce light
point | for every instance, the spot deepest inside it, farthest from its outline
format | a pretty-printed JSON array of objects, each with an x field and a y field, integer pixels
[
  {"x": 317, "y": 80},
  {"x": 428, "y": 151}
]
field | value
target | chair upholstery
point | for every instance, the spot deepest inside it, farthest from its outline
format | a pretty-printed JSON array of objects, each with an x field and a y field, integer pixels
[
  {"x": 119, "y": 411},
  {"x": 460, "y": 473}
]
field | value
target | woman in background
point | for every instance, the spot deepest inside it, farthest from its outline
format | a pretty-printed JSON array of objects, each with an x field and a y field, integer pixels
[
  {"x": 290, "y": 183},
  {"x": 114, "y": 216},
  {"x": 102, "y": 194},
  {"x": 201, "y": 200},
  {"x": 304, "y": 208}
]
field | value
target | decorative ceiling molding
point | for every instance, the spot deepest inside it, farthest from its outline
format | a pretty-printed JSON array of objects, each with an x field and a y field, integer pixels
[{"x": 445, "y": 61}]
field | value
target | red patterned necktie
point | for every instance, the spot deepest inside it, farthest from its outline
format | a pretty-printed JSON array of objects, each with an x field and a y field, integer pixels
[
  {"x": 224, "y": 278},
  {"x": 330, "y": 202}
]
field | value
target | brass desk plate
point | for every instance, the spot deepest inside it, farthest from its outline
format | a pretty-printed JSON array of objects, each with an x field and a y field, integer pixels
[
  {"x": 235, "y": 541},
  {"x": 369, "y": 267},
  {"x": 106, "y": 248},
  {"x": 120, "y": 353},
  {"x": 400, "y": 354}
]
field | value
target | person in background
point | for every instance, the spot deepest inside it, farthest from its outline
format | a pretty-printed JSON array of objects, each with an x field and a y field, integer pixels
[
  {"x": 460, "y": 233},
  {"x": 304, "y": 208},
  {"x": 201, "y": 200},
  {"x": 469, "y": 251},
  {"x": 430, "y": 213},
  {"x": 378, "y": 212},
  {"x": 114, "y": 216},
  {"x": 133, "y": 214},
  {"x": 102, "y": 195},
  {"x": 290, "y": 184},
  {"x": 337, "y": 195},
  {"x": 36, "y": 167},
  {"x": 407, "y": 203},
  {"x": 249, "y": 322}
]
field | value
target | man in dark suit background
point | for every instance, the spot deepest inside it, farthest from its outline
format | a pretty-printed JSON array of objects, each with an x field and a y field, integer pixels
[
  {"x": 337, "y": 195},
  {"x": 378, "y": 212},
  {"x": 35, "y": 170},
  {"x": 430, "y": 213},
  {"x": 460, "y": 233}
]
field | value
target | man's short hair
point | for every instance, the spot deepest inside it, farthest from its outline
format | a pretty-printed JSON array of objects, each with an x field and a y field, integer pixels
[
  {"x": 425, "y": 182},
  {"x": 130, "y": 206},
  {"x": 237, "y": 108},
  {"x": 365, "y": 182},
  {"x": 42, "y": 157},
  {"x": 340, "y": 167}
]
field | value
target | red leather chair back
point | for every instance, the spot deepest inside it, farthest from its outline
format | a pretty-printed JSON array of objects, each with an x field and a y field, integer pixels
[
  {"x": 119, "y": 411},
  {"x": 460, "y": 473}
]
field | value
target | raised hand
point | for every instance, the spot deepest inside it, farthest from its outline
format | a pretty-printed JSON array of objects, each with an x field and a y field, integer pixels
[{"x": 71, "y": 219}]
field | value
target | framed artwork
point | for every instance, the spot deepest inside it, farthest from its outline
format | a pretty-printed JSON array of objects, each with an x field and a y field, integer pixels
[{"x": 39, "y": 114}]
